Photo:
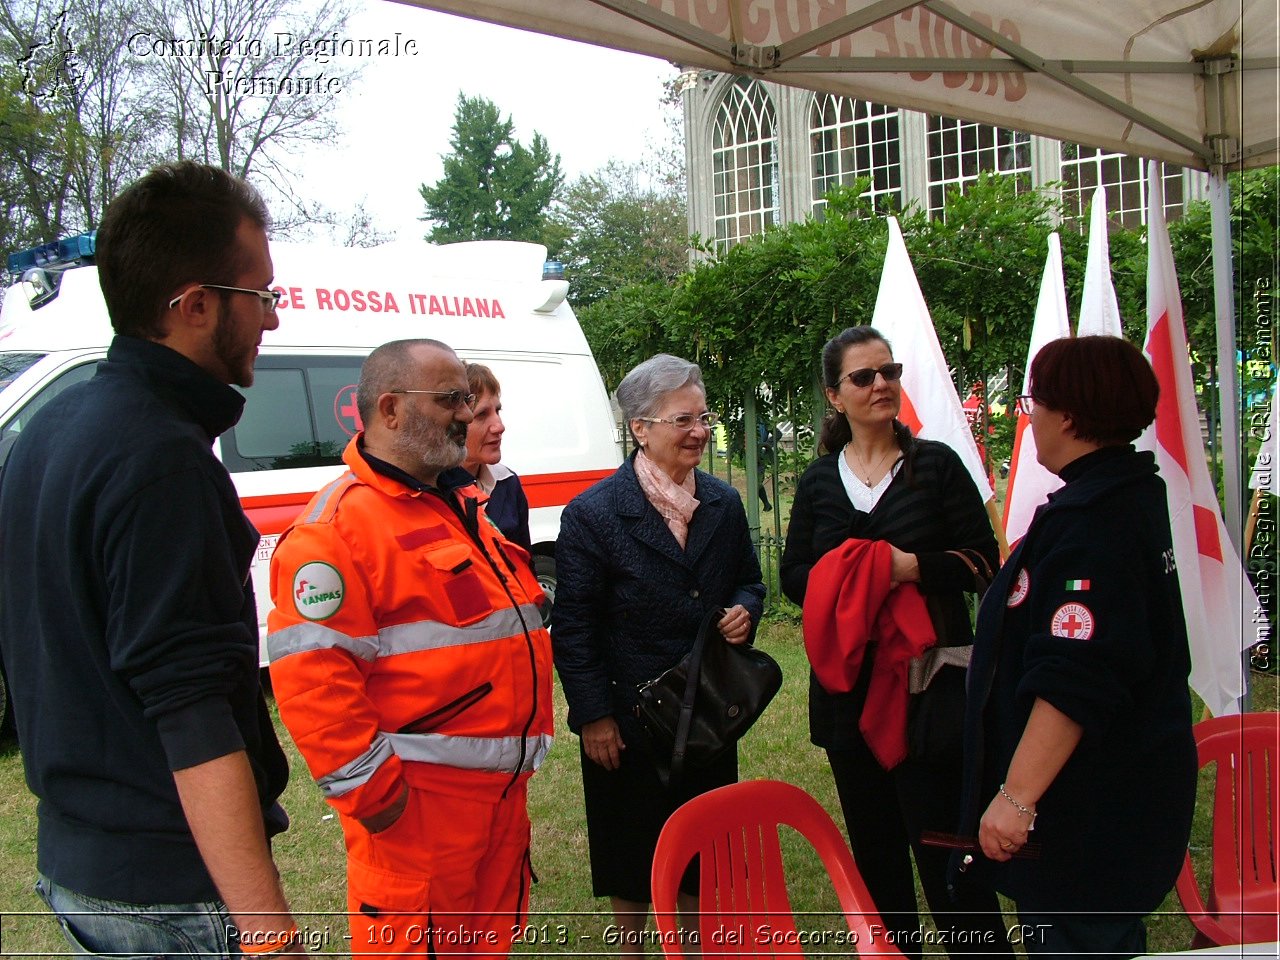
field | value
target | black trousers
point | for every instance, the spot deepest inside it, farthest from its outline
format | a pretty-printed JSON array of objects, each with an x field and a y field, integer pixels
[{"x": 885, "y": 812}]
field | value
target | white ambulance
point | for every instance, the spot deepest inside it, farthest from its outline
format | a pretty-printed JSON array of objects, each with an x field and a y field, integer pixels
[{"x": 489, "y": 300}]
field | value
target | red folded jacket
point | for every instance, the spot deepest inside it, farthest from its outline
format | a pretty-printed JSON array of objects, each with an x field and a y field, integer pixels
[{"x": 848, "y": 604}]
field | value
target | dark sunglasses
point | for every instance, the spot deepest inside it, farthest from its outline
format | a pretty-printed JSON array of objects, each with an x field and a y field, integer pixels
[{"x": 867, "y": 375}]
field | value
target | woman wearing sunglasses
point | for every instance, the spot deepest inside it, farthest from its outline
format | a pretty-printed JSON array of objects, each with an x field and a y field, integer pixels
[
  {"x": 642, "y": 556},
  {"x": 875, "y": 483}
]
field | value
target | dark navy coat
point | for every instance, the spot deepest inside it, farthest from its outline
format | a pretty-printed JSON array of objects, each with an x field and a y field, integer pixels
[
  {"x": 629, "y": 599},
  {"x": 1087, "y": 615}
]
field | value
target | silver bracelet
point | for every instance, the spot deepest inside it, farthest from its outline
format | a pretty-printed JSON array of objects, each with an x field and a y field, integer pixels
[{"x": 1022, "y": 811}]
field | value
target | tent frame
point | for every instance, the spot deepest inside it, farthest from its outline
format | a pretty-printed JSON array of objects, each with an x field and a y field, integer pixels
[{"x": 1216, "y": 153}]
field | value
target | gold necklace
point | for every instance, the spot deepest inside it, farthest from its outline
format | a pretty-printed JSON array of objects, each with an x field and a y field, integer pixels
[{"x": 875, "y": 466}]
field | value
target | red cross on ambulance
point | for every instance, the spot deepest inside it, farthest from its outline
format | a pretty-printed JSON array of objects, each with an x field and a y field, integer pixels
[{"x": 346, "y": 412}]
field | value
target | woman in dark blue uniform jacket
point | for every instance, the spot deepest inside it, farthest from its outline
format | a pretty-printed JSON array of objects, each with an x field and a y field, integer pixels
[
  {"x": 641, "y": 557},
  {"x": 1079, "y": 717}
]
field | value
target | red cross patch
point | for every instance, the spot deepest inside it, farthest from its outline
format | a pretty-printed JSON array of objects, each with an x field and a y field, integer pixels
[
  {"x": 1074, "y": 621},
  {"x": 1021, "y": 587}
]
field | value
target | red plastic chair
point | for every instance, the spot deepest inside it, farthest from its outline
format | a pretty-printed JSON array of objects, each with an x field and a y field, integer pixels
[
  {"x": 1244, "y": 888},
  {"x": 743, "y": 904}
]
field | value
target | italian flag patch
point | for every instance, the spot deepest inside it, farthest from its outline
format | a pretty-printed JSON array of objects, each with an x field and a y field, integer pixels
[{"x": 1077, "y": 584}]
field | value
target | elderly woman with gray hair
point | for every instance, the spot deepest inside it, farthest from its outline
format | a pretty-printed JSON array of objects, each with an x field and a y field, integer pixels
[{"x": 641, "y": 557}]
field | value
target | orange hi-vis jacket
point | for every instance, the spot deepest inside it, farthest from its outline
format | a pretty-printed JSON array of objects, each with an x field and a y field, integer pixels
[{"x": 406, "y": 644}]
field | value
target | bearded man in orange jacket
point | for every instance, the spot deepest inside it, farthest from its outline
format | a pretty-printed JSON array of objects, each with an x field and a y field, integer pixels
[{"x": 410, "y": 664}]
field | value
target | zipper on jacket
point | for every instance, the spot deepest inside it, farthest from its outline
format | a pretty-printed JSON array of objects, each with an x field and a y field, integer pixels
[
  {"x": 436, "y": 718},
  {"x": 468, "y": 512}
]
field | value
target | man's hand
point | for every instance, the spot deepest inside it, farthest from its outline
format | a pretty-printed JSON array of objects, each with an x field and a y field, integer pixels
[{"x": 220, "y": 800}]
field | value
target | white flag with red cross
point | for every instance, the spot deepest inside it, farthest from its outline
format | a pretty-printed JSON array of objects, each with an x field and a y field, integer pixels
[
  {"x": 1029, "y": 483},
  {"x": 1217, "y": 599},
  {"x": 930, "y": 405},
  {"x": 1099, "y": 311}
]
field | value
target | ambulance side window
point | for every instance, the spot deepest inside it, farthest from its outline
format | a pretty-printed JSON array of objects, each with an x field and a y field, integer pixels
[
  {"x": 300, "y": 412},
  {"x": 10, "y": 431}
]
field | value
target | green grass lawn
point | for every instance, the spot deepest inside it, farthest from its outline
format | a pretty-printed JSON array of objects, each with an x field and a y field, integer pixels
[{"x": 564, "y": 916}]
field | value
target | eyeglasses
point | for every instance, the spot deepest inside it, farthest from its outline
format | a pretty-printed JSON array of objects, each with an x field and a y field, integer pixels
[
  {"x": 270, "y": 299},
  {"x": 453, "y": 399},
  {"x": 685, "y": 421},
  {"x": 867, "y": 375},
  {"x": 1026, "y": 403}
]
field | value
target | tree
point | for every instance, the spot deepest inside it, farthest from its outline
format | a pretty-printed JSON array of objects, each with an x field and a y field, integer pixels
[
  {"x": 241, "y": 84},
  {"x": 73, "y": 126},
  {"x": 620, "y": 232},
  {"x": 493, "y": 187}
]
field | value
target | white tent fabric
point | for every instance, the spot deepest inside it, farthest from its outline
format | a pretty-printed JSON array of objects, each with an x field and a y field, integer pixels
[{"x": 1193, "y": 83}]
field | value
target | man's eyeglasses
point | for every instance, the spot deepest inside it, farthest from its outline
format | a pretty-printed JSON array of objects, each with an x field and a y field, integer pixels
[
  {"x": 1026, "y": 403},
  {"x": 453, "y": 399},
  {"x": 867, "y": 375},
  {"x": 270, "y": 299},
  {"x": 685, "y": 421}
]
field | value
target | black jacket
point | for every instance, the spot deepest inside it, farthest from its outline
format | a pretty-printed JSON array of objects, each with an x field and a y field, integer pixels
[
  {"x": 629, "y": 600},
  {"x": 930, "y": 507},
  {"x": 1087, "y": 615},
  {"x": 128, "y": 626}
]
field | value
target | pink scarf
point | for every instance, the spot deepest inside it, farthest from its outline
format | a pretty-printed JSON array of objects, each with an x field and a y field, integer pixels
[{"x": 674, "y": 501}]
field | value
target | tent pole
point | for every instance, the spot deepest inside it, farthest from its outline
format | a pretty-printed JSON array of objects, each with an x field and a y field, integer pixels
[{"x": 1228, "y": 377}]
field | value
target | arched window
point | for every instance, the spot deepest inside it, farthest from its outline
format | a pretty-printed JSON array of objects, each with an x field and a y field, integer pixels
[
  {"x": 851, "y": 138},
  {"x": 745, "y": 158},
  {"x": 960, "y": 150},
  {"x": 1125, "y": 180}
]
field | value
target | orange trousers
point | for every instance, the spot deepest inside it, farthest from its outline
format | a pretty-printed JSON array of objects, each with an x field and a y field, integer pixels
[{"x": 450, "y": 877}]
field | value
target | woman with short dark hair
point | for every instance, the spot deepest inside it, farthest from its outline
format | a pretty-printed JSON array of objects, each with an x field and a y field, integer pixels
[{"x": 1079, "y": 716}]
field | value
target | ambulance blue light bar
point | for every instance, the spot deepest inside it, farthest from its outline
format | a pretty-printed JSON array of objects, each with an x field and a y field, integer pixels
[
  {"x": 553, "y": 270},
  {"x": 59, "y": 253}
]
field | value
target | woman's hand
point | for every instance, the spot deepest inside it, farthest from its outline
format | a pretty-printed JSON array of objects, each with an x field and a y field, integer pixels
[
  {"x": 735, "y": 625},
  {"x": 1003, "y": 830},
  {"x": 602, "y": 742},
  {"x": 906, "y": 567}
]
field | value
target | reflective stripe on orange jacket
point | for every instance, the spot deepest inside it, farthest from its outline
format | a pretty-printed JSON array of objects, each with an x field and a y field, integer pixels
[{"x": 405, "y": 648}]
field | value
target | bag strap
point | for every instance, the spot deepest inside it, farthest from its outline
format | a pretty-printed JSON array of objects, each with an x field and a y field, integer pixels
[
  {"x": 709, "y": 621},
  {"x": 981, "y": 579}
]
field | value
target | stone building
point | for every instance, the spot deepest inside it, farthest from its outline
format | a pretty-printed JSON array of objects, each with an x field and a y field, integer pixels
[{"x": 759, "y": 153}]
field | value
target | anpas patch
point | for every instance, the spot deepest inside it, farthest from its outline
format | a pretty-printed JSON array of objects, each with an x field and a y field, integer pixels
[{"x": 318, "y": 590}]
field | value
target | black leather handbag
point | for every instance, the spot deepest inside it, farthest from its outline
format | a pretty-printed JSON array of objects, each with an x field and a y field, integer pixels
[{"x": 703, "y": 705}]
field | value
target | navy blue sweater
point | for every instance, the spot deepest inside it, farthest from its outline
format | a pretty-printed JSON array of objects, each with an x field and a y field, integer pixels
[
  {"x": 1087, "y": 615},
  {"x": 128, "y": 627}
]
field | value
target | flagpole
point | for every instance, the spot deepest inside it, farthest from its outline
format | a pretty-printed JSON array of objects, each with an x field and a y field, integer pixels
[
  {"x": 1228, "y": 383},
  {"x": 997, "y": 527},
  {"x": 1255, "y": 508}
]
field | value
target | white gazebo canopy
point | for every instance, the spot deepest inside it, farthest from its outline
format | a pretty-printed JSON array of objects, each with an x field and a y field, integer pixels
[{"x": 1192, "y": 83}]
